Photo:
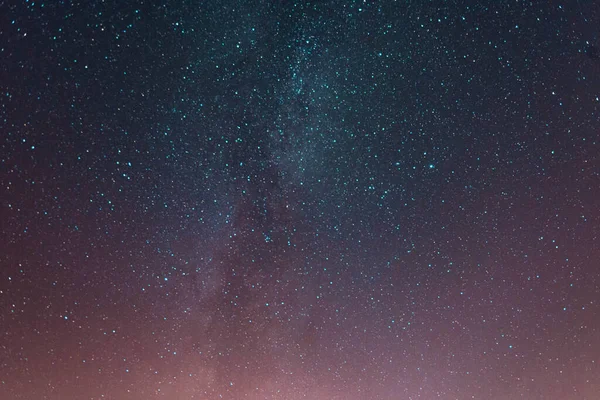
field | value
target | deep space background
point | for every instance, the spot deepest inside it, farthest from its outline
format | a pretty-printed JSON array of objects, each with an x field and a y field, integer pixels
[{"x": 350, "y": 200}]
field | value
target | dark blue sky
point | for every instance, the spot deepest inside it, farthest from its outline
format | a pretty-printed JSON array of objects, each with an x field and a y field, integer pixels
[{"x": 313, "y": 200}]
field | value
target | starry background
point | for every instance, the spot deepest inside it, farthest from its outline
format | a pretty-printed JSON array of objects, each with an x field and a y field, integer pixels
[{"x": 299, "y": 200}]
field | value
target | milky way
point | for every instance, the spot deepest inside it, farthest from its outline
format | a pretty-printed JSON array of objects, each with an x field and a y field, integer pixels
[{"x": 351, "y": 200}]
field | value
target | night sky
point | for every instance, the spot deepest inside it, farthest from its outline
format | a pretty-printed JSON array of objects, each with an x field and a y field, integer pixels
[{"x": 350, "y": 200}]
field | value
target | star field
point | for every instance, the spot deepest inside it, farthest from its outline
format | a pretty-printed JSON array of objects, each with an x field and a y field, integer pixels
[{"x": 352, "y": 200}]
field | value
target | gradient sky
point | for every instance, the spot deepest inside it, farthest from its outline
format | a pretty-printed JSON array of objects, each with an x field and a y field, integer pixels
[{"x": 350, "y": 200}]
